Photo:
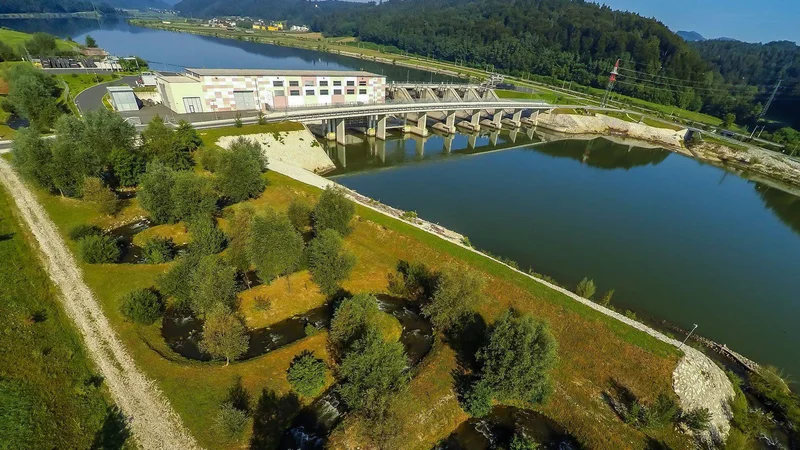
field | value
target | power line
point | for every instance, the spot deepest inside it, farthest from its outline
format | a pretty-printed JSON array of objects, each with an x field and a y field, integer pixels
[
  {"x": 723, "y": 89},
  {"x": 689, "y": 81}
]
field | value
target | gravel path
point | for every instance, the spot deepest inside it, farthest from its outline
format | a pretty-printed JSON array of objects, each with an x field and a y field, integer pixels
[
  {"x": 697, "y": 381},
  {"x": 152, "y": 420}
]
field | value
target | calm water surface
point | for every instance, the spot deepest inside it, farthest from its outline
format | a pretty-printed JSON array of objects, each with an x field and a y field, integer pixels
[{"x": 677, "y": 239}]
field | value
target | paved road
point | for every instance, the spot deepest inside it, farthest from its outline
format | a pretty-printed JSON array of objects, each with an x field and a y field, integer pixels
[{"x": 92, "y": 98}]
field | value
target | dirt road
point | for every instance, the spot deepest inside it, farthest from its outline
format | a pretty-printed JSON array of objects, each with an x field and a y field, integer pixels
[{"x": 152, "y": 420}]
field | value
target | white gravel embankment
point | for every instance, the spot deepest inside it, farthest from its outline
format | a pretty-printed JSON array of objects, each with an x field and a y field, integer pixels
[
  {"x": 602, "y": 124},
  {"x": 697, "y": 381},
  {"x": 154, "y": 423},
  {"x": 298, "y": 148}
]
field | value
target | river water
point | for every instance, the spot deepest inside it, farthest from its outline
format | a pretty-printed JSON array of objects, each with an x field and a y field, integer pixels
[{"x": 678, "y": 239}]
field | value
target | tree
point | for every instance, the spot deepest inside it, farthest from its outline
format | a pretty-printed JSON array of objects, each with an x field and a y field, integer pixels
[
  {"x": 238, "y": 238},
  {"x": 192, "y": 195},
  {"x": 606, "y": 300},
  {"x": 7, "y": 53},
  {"x": 41, "y": 44},
  {"x": 239, "y": 171},
  {"x": 522, "y": 442},
  {"x": 728, "y": 120},
  {"x": 161, "y": 144},
  {"x": 696, "y": 419},
  {"x": 32, "y": 156},
  {"x": 90, "y": 42},
  {"x": 477, "y": 400},
  {"x": 158, "y": 250},
  {"x": 306, "y": 374},
  {"x": 96, "y": 192},
  {"x": 34, "y": 95},
  {"x": 207, "y": 239},
  {"x": 275, "y": 247},
  {"x": 128, "y": 166},
  {"x": 99, "y": 249},
  {"x": 333, "y": 211},
  {"x": 143, "y": 306},
  {"x": 457, "y": 291},
  {"x": 155, "y": 192},
  {"x": 299, "y": 214},
  {"x": 231, "y": 420},
  {"x": 586, "y": 288},
  {"x": 186, "y": 136},
  {"x": 177, "y": 282},
  {"x": 371, "y": 372},
  {"x": 328, "y": 262},
  {"x": 518, "y": 358},
  {"x": 213, "y": 286},
  {"x": 413, "y": 281},
  {"x": 351, "y": 320},
  {"x": 224, "y": 336}
]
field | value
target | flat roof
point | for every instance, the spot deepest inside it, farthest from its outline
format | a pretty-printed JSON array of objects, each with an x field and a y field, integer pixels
[
  {"x": 177, "y": 78},
  {"x": 279, "y": 72},
  {"x": 119, "y": 88}
]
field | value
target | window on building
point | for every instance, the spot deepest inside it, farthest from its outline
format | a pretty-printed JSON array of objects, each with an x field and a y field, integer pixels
[
  {"x": 323, "y": 92},
  {"x": 337, "y": 83},
  {"x": 280, "y": 93},
  {"x": 294, "y": 92},
  {"x": 323, "y": 83},
  {"x": 308, "y": 83},
  {"x": 362, "y": 91},
  {"x": 351, "y": 91},
  {"x": 309, "y": 92},
  {"x": 351, "y": 83},
  {"x": 277, "y": 83},
  {"x": 294, "y": 83},
  {"x": 362, "y": 82},
  {"x": 337, "y": 92}
]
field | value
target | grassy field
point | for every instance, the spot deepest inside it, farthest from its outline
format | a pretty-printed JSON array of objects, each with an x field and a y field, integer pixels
[
  {"x": 51, "y": 396},
  {"x": 15, "y": 39},
  {"x": 595, "y": 351}
]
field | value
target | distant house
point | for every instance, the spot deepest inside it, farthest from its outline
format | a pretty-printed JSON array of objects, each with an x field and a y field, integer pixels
[{"x": 273, "y": 28}]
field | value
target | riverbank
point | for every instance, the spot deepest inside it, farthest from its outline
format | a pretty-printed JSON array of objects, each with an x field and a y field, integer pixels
[{"x": 772, "y": 165}]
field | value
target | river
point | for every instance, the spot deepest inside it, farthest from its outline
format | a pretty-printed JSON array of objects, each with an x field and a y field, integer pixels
[{"x": 678, "y": 239}]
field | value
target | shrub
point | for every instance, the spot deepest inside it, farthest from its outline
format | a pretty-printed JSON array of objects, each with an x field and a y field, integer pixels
[
  {"x": 299, "y": 214},
  {"x": 274, "y": 246},
  {"x": 155, "y": 192},
  {"x": 143, "y": 306},
  {"x": 606, "y": 300},
  {"x": 209, "y": 158},
  {"x": 306, "y": 374},
  {"x": 351, "y": 320},
  {"x": 333, "y": 211},
  {"x": 81, "y": 231},
  {"x": 586, "y": 288},
  {"x": 158, "y": 250},
  {"x": 311, "y": 329},
  {"x": 239, "y": 170},
  {"x": 457, "y": 291},
  {"x": 696, "y": 419},
  {"x": 99, "y": 249},
  {"x": 192, "y": 195},
  {"x": 103, "y": 198},
  {"x": 127, "y": 166},
  {"x": 177, "y": 282},
  {"x": 207, "y": 239},
  {"x": 477, "y": 402},
  {"x": 213, "y": 286},
  {"x": 231, "y": 420},
  {"x": 328, "y": 262},
  {"x": 262, "y": 303},
  {"x": 413, "y": 281},
  {"x": 522, "y": 442}
]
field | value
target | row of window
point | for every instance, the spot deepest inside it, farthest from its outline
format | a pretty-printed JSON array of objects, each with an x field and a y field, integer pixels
[
  {"x": 296, "y": 92},
  {"x": 322, "y": 83}
]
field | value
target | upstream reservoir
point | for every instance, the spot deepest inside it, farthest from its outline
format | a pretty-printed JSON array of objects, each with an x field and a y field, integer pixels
[{"x": 677, "y": 239}]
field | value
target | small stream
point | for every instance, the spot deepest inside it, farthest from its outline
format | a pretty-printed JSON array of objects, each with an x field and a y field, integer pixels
[{"x": 131, "y": 253}]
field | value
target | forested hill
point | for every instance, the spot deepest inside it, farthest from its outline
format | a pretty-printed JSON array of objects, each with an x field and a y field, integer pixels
[
  {"x": 755, "y": 64},
  {"x": 51, "y": 6}
]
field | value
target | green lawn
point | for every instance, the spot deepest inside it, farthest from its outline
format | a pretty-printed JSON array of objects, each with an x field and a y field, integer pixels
[
  {"x": 51, "y": 396},
  {"x": 16, "y": 38}
]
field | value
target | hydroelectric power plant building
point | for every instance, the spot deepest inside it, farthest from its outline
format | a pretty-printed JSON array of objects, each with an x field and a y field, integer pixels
[{"x": 210, "y": 90}]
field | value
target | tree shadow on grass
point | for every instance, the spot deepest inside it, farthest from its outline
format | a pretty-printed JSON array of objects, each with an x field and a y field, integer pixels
[
  {"x": 114, "y": 432},
  {"x": 272, "y": 415},
  {"x": 6, "y": 237},
  {"x": 466, "y": 339},
  {"x": 619, "y": 398}
]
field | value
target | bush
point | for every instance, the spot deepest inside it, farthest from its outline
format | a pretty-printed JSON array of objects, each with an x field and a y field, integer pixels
[
  {"x": 274, "y": 247},
  {"x": 213, "y": 286},
  {"x": 586, "y": 288},
  {"x": 103, "y": 198},
  {"x": 209, "y": 158},
  {"x": 306, "y": 374},
  {"x": 81, "y": 231},
  {"x": 413, "y": 281},
  {"x": 239, "y": 170},
  {"x": 127, "y": 166},
  {"x": 478, "y": 400},
  {"x": 155, "y": 192},
  {"x": 143, "y": 306},
  {"x": 522, "y": 442},
  {"x": 191, "y": 196},
  {"x": 333, "y": 211},
  {"x": 328, "y": 262},
  {"x": 207, "y": 239},
  {"x": 457, "y": 292},
  {"x": 696, "y": 419},
  {"x": 99, "y": 249},
  {"x": 299, "y": 214},
  {"x": 158, "y": 250},
  {"x": 231, "y": 420}
]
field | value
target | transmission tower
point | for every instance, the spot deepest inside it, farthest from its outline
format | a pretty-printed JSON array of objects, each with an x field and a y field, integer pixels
[
  {"x": 769, "y": 102},
  {"x": 611, "y": 80}
]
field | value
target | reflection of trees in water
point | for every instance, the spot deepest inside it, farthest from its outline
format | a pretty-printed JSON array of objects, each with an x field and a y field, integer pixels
[
  {"x": 604, "y": 154},
  {"x": 62, "y": 27},
  {"x": 785, "y": 206}
]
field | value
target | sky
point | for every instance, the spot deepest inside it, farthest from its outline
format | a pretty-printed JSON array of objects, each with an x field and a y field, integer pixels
[{"x": 745, "y": 20}]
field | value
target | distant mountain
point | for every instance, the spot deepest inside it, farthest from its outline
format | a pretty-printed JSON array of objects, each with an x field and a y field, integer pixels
[
  {"x": 139, "y": 4},
  {"x": 727, "y": 39},
  {"x": 293, "y": 10},
  {"x": 691, "y": 36},
  {"x": 51, "y": 6}
]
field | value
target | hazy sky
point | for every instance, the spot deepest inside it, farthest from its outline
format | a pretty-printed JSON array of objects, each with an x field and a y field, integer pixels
[{"x": 746, "y": 20}]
